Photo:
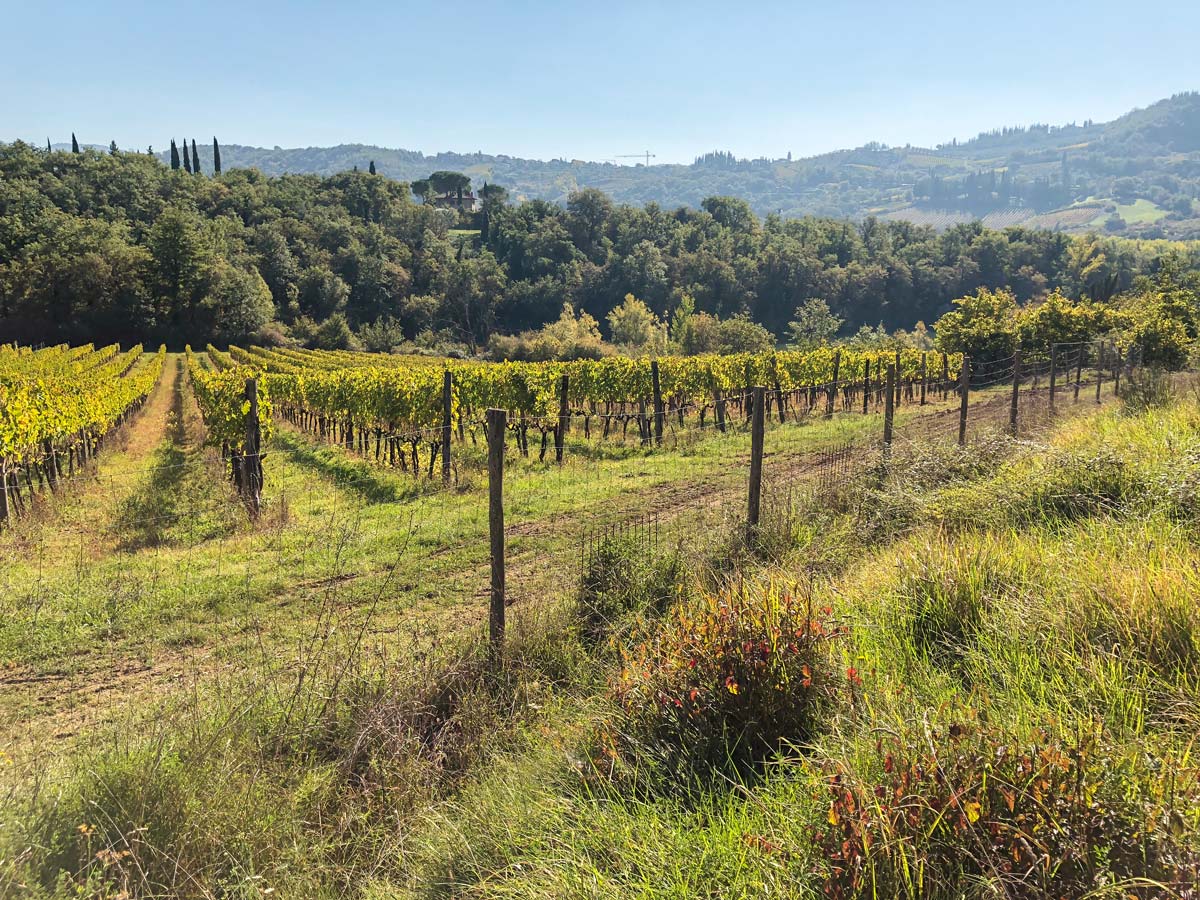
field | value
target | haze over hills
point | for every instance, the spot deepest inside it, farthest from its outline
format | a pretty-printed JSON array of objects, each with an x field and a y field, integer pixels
[{"x": 1138, "y": 175}]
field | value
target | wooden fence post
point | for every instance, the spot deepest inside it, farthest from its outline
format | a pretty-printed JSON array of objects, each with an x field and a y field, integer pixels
[
  {"x": 1053, "y": 374},
  {"x": 866, "y": 383},
  {"x": 496, "y": 424},
  {"x": 446, "y": 403},
  {"x": 251, "y": 450},
  {"x": 924, "y": 375},
  {"x": 656, "y": 387},
  {"x": 719, "y": 401},
  {"x": 837, "y": 364},
  {"x": 1099, "y": 370},
  {"x": 564, "y": 417},
  {"x": 5, "y": 513},
  {"x": 889, "y": 407},
  {"x": 964, "y": 390},
  {"x": 945, "y": 375},
  {"x": 897, "y": 378},
  {"x": 757, "y": 431},
  {"x": 1078, "y": 371},
  {"x": 1016, "y": 388}
]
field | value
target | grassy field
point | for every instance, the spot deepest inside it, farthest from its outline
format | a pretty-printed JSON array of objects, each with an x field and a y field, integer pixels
[{"x": 970, "y": 672}]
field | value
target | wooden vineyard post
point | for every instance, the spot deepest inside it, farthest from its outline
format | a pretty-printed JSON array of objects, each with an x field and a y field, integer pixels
[
  {"x": 5, "y": 513},
  {"x": 866, "y": 383},
  {"x": 1016, "y": 389},
  {"x": 896, "y": 388},
  {"x": 889, "y": 408},
  {"x": 1099, "y": 370},
  {"x": 837, "y": 364},
  {"x": 964, "y": 390},
  {"x": 446, "y": 404},
  {"x": 1078, "y": 372},
  {"x": 496, "y": 425},
  {"x": 924, "y": 375},
  {"x": 251, "y": 450},
  {"x": 564, "y": 418},
  {"x": 757, "y": 433},
  {"x": 1053, "y": 374},
  {"x": 1116, "y": 371},
  {"x": 945, "y": 375},
  {"x": 719, "y": 400},
  {"x": 656, "y": 387}
]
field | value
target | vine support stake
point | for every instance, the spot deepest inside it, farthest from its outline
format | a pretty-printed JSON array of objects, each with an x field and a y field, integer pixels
[
  {"x": 757, "y": 433},
  {"x": 252, "y": 450},
  {"x": 924, "y": 375},
  {"x": 447, "y": 392},
  {"x": 1053, "y": 374},
  {"x": 1016, "y": 392},
  {"x": 656, "y": 387},
  {"x": 496, "y": 424},
  {"x": 964, "y": 391},
  {"x": 1099, "y": 370},
  {"x": 889, "y": 409},
  {"x": 564, "y": 418},
  {"x": 833, "y": 385}
]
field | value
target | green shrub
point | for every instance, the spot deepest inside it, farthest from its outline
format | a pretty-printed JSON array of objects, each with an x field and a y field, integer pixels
[
  {"x": 968, "y": 809},
  {"x": 622, "y": 580},
  {"x": 727, "y": 681}
]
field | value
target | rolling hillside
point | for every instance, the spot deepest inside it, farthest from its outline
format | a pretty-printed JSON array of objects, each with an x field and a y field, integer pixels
[{"x": 1139, "y": 174}]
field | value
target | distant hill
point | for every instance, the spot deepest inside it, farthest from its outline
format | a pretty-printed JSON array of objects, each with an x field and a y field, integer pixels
[{"x": 1138, "y": 175}]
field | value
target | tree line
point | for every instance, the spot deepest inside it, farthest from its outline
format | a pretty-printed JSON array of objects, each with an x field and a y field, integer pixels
[{"x": 119, "y": 246}]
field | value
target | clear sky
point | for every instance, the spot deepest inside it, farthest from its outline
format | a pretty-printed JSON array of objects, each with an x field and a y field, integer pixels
[{"x": 581, "y": 80}]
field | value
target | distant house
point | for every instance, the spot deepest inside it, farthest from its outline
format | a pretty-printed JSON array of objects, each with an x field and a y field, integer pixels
[{"x": 451, "y": 200}]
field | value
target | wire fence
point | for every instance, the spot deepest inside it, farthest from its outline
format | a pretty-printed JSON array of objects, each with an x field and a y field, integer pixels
[{"x": 126, "y": 554}]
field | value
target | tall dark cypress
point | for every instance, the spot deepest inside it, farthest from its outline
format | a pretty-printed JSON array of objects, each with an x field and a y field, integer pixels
[
  {"x": 174, "y": 155},
  {"x": 74, "y": 143},
  {"x": 49, "y": 149},
  {"x": 216, "y": 157},
  {"x": 372, "y": 168},
  {"x": 187, "y": 160},
  {"x": 195, "y": 159},
  {"x": 112, "y": 148}
]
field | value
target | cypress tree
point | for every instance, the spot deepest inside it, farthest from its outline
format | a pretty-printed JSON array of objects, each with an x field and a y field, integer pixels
[
  {"x": 216, "y": 157},
  {"x": 112, "y": 148},
  {"x": 174, "y": 155},
  {"x": 74, "y": 143},
  {"x": 48, "y": 148},
  {"x": 187, "y": 160},
  {"x": 372, "y": 169},
  {"x": 195, "y": 159}
]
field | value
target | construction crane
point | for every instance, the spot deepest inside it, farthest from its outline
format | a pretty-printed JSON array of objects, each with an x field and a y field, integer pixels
[{"x": 648, "y": 155}]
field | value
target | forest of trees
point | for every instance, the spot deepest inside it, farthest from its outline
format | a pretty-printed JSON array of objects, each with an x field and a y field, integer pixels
[{"x": 119, "y": 246}]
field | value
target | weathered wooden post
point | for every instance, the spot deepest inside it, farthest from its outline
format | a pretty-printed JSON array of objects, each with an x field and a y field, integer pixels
[
  {"x": 945, "y": 376},
  {"x": 496, "y": 424},
  {"x": 889, "y": 408},
  {"x": 924, "y": 375},
  {"x": 251, "y": 450},
  {"x": 446, "y": 424},
  {"x": 1016, "y": 388},
  {"x": 1099, "y": 370},
  {"x": 964, "y": 390},
  {"x": 656, "y": 388},
  {"x": 866, "y": 383},
  {"x": 564, "y": 417},
  {"x": 757, "y": 433},
  {"x": 1078, "y": 372},
  {"x": 837, "y": 364},
  {"x": 1053, "y": 374},
  {"x": 719, "y": 401},
  {"x": 896, "y": 378},
  {"x": 5, "y": 513}
]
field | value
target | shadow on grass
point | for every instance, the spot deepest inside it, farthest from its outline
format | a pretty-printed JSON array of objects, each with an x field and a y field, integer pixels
[
  {"x": 178, "y": 485},
  {"x": 360, "y": 476}
]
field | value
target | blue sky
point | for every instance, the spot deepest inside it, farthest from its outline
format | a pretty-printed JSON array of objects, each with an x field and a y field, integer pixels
[{"x": 581, "y": 80}]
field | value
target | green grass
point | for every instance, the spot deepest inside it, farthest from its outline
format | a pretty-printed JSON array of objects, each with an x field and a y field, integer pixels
[{"x": 1012, "y": 599}]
